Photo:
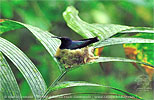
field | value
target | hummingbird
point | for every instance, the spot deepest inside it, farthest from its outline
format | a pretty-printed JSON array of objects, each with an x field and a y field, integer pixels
[{"x": 75, "y": 52}]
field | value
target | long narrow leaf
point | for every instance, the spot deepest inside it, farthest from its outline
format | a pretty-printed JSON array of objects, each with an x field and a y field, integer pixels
[
  {"x": 8, "y": 83},
  {"x": 87, "y": 30},
  {"x": 111, "y": 59},
  {"x": 54, "y": 83},
  {"x": 103, "y": 31},
  {"x": 101, "y": 95},
  {"x": 139, "y": 30},
  {"x": 6, "y": 26},
  {"x": 113, "y": 41},
  {"x": 51, "y": 44},
  {"x": 69, "y": 84},
  {"x": 1, "y": 90},
  {"x": 25, "y": 66}
]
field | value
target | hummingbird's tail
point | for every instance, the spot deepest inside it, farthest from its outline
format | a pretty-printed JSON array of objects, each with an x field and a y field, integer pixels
[
  {"x": 91, "y": 40},
  {"x": 95, "y": 39},
  {"x": 87, "y": 42}
]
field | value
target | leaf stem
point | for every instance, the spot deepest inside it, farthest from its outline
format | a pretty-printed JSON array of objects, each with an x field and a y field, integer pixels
[{"x": 53, "y": 84}]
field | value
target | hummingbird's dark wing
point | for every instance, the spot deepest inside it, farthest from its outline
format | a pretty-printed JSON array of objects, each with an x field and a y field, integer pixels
[
  {"x": 76, "y": 44},
  {"x": 82, "y": 43}
]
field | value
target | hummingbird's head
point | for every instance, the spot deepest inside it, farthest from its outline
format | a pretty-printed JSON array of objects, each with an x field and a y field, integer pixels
[{"x": 65, "y": 42}]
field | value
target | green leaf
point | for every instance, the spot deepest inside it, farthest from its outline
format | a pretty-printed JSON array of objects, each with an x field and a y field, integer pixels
[
  {"x": 51, "y": 44},
  {"x": 87, "y": 30},
  {"x": 1, "y": 92},
  {"x": 8, "y": 83},
  {"x": 113, "y": 41},
  {"x": 69, "y": 84},
  {"x": 139, "y": 30},
  {"x": 103, "y": 31},
  {"x": 110, "y": 59},
  {"x": 6, "y": 26},
  {"x": 98, "y": 93},
  {"x": 25, "y": 66}
]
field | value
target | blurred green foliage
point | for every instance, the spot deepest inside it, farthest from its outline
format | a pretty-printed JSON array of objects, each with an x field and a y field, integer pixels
[{"x": 47, "y": 15}]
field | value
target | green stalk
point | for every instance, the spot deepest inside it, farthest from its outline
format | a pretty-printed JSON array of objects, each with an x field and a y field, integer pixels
[{"x": 53, "y": 84}]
